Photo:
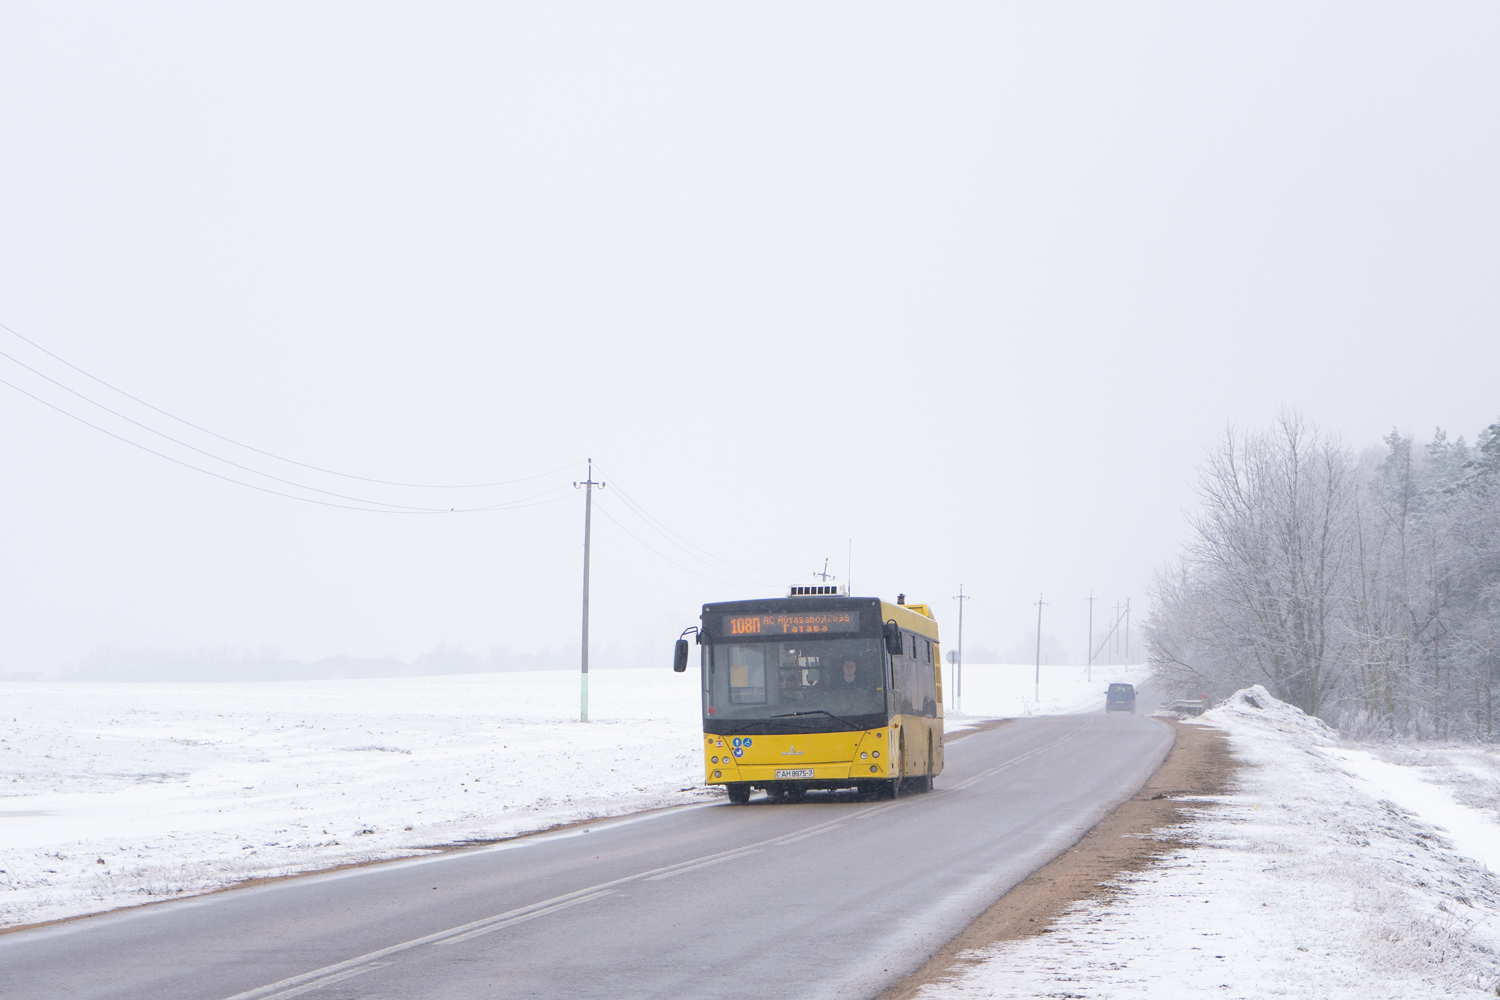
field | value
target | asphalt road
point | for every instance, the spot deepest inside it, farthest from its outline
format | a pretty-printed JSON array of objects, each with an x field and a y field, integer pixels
[{"x": 818, "y": 899}]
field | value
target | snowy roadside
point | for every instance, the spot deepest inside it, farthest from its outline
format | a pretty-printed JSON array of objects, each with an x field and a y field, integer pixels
[
  {"x": 118, "y": 794},
  {"x": 1332, "y": 870}
]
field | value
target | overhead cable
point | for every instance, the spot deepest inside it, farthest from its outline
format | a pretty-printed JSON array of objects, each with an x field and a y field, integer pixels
[
  {"x": 679, "y": 541},
  {"x": 264, "y": 489},
  {"x": 206, "y": 454},
  {"x": 259, "y": 451},
  {"x": 648, "y": 548}
]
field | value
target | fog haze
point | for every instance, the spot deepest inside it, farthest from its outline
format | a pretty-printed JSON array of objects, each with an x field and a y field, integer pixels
[{"x": 961, "y": 292}]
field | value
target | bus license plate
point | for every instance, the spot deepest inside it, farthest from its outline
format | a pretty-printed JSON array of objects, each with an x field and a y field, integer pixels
[{"x": 795, "y": 772}]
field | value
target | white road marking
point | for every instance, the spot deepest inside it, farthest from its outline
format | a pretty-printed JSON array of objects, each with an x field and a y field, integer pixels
[
  {"x": 701, "y": 864},
  {"x": 296, "y": 985},
  {"x": 525, "y": 916},
  {"x": 326, "y": 980},
  {"x": 811, "y": 833},
  {"x": 1016, "y": 760}
]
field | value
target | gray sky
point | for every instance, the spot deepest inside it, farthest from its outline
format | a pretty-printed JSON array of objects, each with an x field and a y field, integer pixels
[{"x": 970, "y": 285}]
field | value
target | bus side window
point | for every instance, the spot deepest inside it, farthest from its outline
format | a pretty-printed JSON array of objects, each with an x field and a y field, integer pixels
[{"x": 911, "y": 677}]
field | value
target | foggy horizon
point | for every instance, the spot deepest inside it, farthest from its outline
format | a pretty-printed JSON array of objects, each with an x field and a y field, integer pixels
[{"x": 944, "y": 297}]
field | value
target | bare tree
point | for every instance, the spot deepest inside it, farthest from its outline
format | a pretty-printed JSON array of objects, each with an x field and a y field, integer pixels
[
  {"x": 1264, "y": 579},
  {"x": 1368, "y": 592}
]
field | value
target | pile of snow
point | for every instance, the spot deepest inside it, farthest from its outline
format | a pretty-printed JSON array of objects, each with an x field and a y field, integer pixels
[
  {"x": 1257, "y": 708},
  {"x": 1010, "y": 690},
  {"x": 1327, "y": 872},
  {"x": 114, "y": 794}
]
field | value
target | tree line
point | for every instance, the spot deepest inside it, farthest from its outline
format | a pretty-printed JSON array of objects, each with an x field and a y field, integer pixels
[{"x": 1362, "y": 587}]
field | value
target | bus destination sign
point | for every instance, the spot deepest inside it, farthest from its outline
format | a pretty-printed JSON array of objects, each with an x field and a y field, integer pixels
[{"x": 789, "y": 624}]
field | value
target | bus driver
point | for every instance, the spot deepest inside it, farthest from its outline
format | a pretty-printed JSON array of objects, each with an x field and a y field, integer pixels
[{"x": 851, "y": 677}]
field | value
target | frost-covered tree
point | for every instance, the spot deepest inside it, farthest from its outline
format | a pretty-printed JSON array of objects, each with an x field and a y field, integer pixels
[
  {"x": 1263, "y": 578},
  {"x": 1365, "y": 590}
]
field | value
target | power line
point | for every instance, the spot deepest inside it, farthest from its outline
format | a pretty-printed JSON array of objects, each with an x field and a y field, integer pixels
[
  {"x": 388, "y": 509},
  {"x": 648, "y": 548},
  {"x": 680, "y": 542},
  {"x": 207, "y": 454},
  {"x": 240, "y": 444},
  {"x": 717, "y": 569},
  {"x": 988, "y": 613}
]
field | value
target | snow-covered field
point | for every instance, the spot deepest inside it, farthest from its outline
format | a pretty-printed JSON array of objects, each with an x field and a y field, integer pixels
[
  {"x": 1009, "y": 690},
  {"x": 115, "y": 794},
  {"x": 1332, "y": 871}
]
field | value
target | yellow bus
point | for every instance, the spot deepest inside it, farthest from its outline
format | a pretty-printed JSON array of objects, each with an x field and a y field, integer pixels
[{"x": 819, "y": 690}]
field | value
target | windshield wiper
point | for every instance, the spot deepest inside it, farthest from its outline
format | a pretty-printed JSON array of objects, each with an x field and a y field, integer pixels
[{"x": 819, "y": 711}]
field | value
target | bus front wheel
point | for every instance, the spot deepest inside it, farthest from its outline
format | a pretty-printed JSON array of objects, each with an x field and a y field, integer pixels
[{"x": 739, "y": 793}]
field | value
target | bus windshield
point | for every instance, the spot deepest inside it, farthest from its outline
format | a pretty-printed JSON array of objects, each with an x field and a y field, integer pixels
[{"x": 801, "y": 684}]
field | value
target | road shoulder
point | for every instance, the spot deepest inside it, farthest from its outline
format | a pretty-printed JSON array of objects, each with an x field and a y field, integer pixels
[{"x": 1127, "y": 840}]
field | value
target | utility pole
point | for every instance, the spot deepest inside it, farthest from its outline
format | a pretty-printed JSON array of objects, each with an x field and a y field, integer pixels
[
  {"x": 958, "y": 678},
  {"x": 1039, "y": 603},
  {"x": 1089, "y": 648},
  {"x": 1127, "y": 630},
  {"x": 1116, "y": 650},
  {"x": 588, "y": 512}
]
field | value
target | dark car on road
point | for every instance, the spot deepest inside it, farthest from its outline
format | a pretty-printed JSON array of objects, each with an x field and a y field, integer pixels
[{"x": 1120, "y": 698}]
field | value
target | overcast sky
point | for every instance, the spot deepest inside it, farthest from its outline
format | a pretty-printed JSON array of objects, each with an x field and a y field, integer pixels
[{"x": 972, "y": 286}]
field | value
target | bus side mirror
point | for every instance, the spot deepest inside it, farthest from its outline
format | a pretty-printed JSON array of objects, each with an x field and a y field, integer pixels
[
  {"x": 679, "y": 659},
  {"x": 893, "y": 642}
]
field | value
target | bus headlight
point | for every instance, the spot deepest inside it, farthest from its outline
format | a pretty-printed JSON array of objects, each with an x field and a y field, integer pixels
[
  {"x": 874, "y": 767},
  {"x": 863, "y": 755},
  {"x": 718, "y": 774},
  {"x": 715, "y": 760},
  {"x": 875, "y": 753}
]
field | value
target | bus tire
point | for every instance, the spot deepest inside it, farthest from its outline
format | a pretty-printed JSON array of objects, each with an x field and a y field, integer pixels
[{"x": 739, "y": 793}]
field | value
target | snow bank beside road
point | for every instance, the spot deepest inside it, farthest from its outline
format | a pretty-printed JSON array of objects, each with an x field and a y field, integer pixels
[
  {"x": 114, "y": 794},
  {"x": 1317, "y": 877}
]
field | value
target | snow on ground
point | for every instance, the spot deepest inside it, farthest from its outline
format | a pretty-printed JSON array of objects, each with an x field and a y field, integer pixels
[
  {"x": 115, "y": 794},
  {"x": 1330, "y": 871},
  {"x": 1009, "y": 690}
]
